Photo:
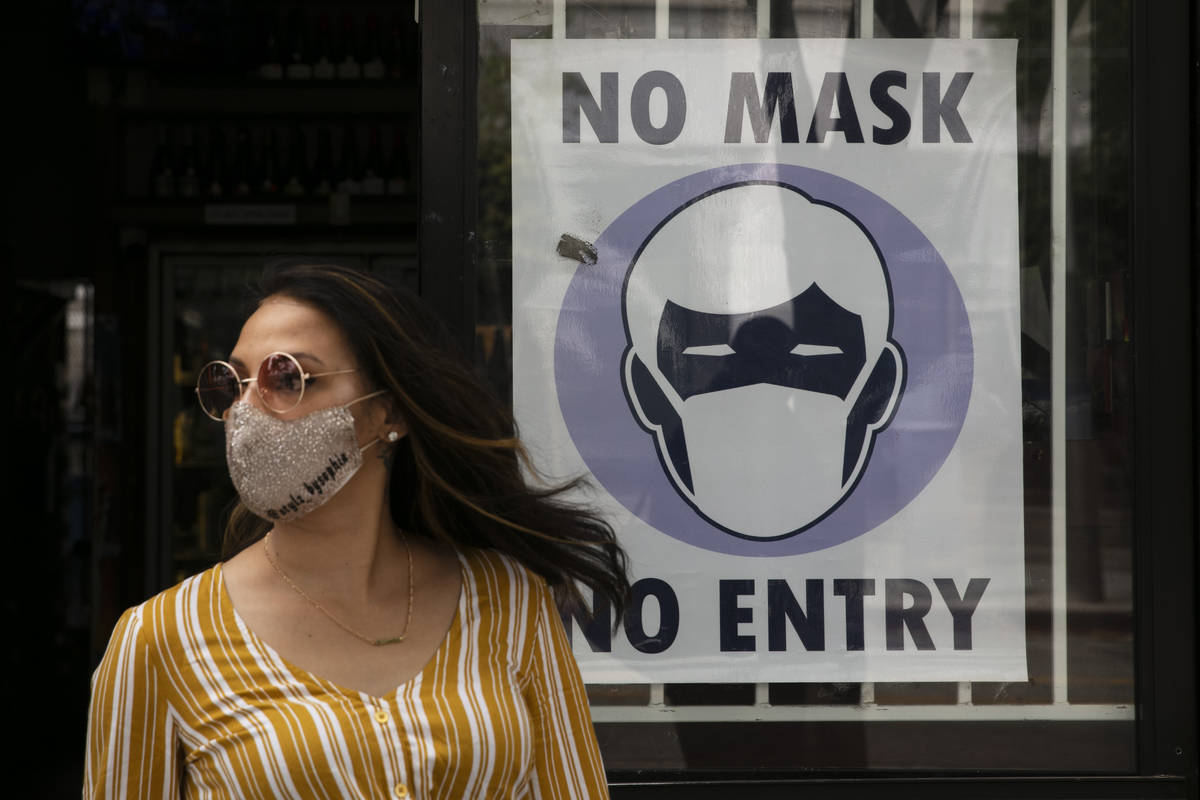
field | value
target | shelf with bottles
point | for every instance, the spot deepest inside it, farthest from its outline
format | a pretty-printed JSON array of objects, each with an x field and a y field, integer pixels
[
  {"x": 189, "y": 47},
  {"x": 200, "y": 510},
  {"x": 357, "y": 214},
  {"x": 264, "y": 99},
  {"x": 186, "y": 562},
  {"x": 313, "y": 173},
  {"x": 198, "y": 442}
]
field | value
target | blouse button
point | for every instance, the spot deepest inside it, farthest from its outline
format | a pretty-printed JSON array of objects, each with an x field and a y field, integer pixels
[
  {"x": 401, "y": 790},
  {"x": 381, "y": 717}
]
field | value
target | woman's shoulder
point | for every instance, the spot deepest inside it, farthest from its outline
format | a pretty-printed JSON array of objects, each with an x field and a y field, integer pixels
[
  {"x": 485, "y": 563},
  {"x": 513, "y": 608},
  {"x": 159, "y": 619},
  {"x": 501, "y": 577}
]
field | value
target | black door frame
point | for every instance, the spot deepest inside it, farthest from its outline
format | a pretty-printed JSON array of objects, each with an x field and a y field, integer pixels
[
  {"x": 1166, "y": 345},
  {"x": 447, "y": 163},
  {"x": 1165, "y": 358}
]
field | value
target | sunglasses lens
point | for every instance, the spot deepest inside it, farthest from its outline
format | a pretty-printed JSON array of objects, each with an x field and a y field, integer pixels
[
  {"x": 217, "y": 388},
  {"x": 280, "y": 382}
]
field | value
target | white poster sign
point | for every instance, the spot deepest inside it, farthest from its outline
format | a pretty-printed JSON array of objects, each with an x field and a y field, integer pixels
[{"x": 766, "y": 292}]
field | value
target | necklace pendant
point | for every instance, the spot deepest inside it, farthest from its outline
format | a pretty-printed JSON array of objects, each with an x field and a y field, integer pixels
[
  {"x": 360, "y": 636},
  {"x": 392, "y": 640}
]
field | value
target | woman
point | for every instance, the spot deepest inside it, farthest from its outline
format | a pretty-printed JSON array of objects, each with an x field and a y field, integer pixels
[{"x": 384, "y": 622}]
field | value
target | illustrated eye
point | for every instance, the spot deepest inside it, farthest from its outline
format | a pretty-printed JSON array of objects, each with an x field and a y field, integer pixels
[
  {"x": 806, "y": 349},
  {"x": 708, "y": 350}
]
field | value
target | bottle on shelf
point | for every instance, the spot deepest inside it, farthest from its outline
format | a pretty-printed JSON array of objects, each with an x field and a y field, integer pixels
[
  {"x": 162, "y": 167},
  {"x": 270, "y": 65},
  {"x": 397, "y": 172},
  {"x": 242, "y": 178},
  {"x": 373, "y": 182},
  {"x": 296, "y": 178},
  {"x": 269, "y": 184},
  {"x": 396, "y": 52},
  {"x": 217, "y": 169},
  {"x": 373, "y": 67},
  {"x": 324, "y": 68},
  {"x": 324, "y": 174},
  {"x": 182, "y": 433},
  {"x": 223, "y": 27},
  {"x": 203, "y": 501},
  {"x": 157, "y": 24},
  {"x": 298, "y": 66},
  {"x": 350, "y": 166},
  {"x": 188, "y": 181},
  {"x": 348, "y": 67}
]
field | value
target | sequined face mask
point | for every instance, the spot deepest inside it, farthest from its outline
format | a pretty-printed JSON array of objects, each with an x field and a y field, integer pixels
[{"x": 283, "y": 469}]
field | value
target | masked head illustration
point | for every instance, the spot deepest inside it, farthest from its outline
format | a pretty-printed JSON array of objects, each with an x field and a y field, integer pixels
[{"x": 760, "y": 356}]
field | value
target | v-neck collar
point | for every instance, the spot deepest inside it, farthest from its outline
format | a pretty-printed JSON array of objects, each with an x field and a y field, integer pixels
[{"x": 233, "y": 621}]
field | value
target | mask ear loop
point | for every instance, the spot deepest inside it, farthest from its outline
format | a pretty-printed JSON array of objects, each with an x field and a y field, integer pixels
[{"x": 375, "y": 440}]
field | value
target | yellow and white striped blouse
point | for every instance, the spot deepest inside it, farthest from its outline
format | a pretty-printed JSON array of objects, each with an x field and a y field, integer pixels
[{"x": 188, "y": 702}]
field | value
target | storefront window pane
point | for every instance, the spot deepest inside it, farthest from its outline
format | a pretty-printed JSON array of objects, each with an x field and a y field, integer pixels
[
  {"x": 610, "y": 19},
  {"x": 1075, "y": 712}
]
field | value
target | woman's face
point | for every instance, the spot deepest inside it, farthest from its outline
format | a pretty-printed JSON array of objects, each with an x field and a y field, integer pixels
[{"x": 284, "y": 324}]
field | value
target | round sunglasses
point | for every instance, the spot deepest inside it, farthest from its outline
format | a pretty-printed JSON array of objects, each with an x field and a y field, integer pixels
[{"x": 280, "y": 384}]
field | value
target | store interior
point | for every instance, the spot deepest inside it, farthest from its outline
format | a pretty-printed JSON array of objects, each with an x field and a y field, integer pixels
[{"x": 174, "y": 149}]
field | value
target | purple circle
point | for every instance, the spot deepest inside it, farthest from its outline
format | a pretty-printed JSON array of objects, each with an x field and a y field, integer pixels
[{"x": 930, "y": 323}]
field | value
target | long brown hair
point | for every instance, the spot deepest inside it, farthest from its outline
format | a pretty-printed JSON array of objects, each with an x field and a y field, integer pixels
[{"x": 457, "y": 476}]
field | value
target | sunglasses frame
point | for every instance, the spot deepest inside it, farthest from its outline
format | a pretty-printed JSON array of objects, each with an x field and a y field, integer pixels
[{"x": 304, "y": 379}]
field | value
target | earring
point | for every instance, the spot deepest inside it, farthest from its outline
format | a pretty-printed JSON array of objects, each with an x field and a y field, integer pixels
[{"x": 393, "y": 436}]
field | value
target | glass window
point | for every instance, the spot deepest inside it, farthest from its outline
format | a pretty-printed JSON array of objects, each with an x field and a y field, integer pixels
[{"x": 1075, "y": 713}]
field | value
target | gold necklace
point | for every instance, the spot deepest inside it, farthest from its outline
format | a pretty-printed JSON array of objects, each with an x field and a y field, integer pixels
[{"x": 338, "y": 622}]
